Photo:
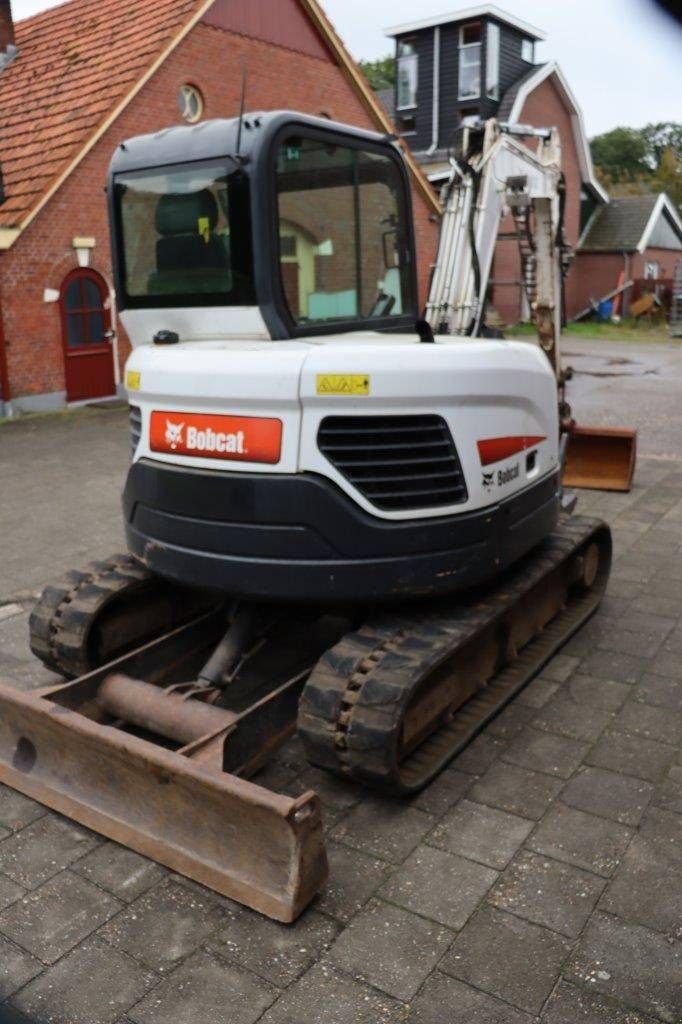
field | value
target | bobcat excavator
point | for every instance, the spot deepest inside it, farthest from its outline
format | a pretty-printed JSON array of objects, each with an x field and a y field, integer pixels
[{"x": 339, "y": 522}]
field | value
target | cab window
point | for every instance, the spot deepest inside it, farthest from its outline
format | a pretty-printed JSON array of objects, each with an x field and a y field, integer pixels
[{"x": 343, "y": 248}]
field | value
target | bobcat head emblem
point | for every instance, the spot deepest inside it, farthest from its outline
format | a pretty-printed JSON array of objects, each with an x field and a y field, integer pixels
[
  {"x": 488, "y": 479},
  {"x": 174, "y": 434}
]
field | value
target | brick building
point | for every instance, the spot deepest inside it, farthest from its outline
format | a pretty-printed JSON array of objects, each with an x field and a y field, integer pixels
[{"x": 77, "y": 80}]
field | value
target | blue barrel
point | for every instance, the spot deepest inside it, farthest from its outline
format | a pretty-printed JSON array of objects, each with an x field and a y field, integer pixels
[{"x": 605, "y": 310}]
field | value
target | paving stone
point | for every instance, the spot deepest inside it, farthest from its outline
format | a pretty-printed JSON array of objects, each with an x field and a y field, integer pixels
[
  {"x": 325, "y": 996},
  {"x": 507, "y": 957},
  {"x": 660, "y": 724},
  {"x": 639, "y": 967},
  {"x": 164, "y": 925},
  {"x": 624, "y": 667},
  {"x": 439, "y": 885},
  {"x": 606, "y": 694},
  {"x": 537, "y": 693},
  {"x": 120, "y": 871},
  {"x": 113, "y": 984},
  {"x": 669, "y": 793},
  {"x": 16, "y": 810},
  {"x": 353, "y": 878},
  {"x": 646, "y": 889},
  {"x": 668, "y": 663},
  {"x": 632, "y": 755},
  {"x": 51, "y": 920},
  {"x": 17, "y": 967},
  {"x": 390, "y": 949},
  {"x": 465, "y": 1005},
  {"x": 43, "y": 849},
  {"x": 544, "y": 752},
  {"x": 205, "y": 991},
  {"x": 660, "y": 691},
  {"x": 516, "y": 790},
  {"x": 511, "y": 721},
  {"x": 558, "y": 896},
  {"x": 577, "y": 721},
  {"x": 560, "y": 668},
  {"x": 479, "y": 755},
  {"x": 333, "y": 791},
  {"x": 384, "y": 829},
  {"x": 648, "y": 624},
  {"x": 10, "y": 892},
  {"x": 571, "y": 1005},
  {"x": 276, "y": 952},
  {"x": 443, "y": 793},
  {"x": 627, "y": 642},
  {"x": 581, "y": 839},
  {"x": 652, "y": 605},
  {"x": 481, "y": 833},
  {"x": 608, "y": 795}
]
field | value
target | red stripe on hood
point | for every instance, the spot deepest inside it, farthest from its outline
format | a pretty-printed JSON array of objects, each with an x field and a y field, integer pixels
[{"x": 495, "y": 449}]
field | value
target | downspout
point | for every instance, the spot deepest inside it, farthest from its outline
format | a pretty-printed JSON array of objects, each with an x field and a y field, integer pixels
[
  {"x": 626, "y": 293},
  {"x": 4, "y": 371},
  {"x": 435, "y": 122}
]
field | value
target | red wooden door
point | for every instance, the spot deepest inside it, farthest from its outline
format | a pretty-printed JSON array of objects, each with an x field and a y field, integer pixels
[{"x": 86, "y": 324}]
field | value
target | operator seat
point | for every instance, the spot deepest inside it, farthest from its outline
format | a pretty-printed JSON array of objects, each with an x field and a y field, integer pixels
[{"x": 190, "y": 256}]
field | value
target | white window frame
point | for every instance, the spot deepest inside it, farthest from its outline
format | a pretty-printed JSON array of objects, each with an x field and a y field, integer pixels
[
  {"x": 492, "y": 62},
  {"x": 466, "y": 48},
  {"x": 410, "y": 61},
  {"x": 652, "y": 270},
  {"x": 528, "y": 47}
]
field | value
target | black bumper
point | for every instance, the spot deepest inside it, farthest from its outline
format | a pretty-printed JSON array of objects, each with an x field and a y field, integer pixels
[{"x": 300, "y": 538}]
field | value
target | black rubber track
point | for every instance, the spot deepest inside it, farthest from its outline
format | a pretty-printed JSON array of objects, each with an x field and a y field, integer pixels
[
  {"x": 68, "y": 626},
  {"x": 354, "y": 707}
]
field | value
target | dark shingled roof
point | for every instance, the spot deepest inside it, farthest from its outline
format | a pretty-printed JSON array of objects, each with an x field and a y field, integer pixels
[
  {"x": 507, "y": 102},
  {"x": 619, "y": 225}
]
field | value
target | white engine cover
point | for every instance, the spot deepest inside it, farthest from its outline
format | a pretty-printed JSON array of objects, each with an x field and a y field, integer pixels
[{"x": 498, "y": 398}]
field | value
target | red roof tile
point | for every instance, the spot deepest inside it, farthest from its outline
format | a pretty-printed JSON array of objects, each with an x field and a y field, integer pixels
[{"x": 76, "y": 63}]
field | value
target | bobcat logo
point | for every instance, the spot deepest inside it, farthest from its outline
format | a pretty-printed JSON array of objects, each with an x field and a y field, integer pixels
[
  {"x": 488, "y": 481},
  {"x": 174, "y": 434}
]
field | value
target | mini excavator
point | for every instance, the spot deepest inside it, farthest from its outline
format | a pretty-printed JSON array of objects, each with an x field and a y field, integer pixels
[{"x": 343, "y": 519}]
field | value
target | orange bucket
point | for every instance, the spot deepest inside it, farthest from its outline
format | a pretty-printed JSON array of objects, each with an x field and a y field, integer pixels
[{"x": 601, "y": 458}]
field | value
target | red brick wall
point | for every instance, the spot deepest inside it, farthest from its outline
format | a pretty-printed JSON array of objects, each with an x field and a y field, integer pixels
[
  {"x": 593, "y": 275},
  {"x": 666, "y": 259},
  {"x": 211, "y": 59},
  {"x": 544, "y": 108}
]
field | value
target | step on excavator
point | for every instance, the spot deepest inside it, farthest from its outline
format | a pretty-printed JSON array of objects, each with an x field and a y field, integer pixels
[{"x": 342, "y": 519}]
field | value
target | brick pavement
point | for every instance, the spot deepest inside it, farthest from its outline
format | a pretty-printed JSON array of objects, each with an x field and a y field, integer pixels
[{"x": 536, "y": 880}]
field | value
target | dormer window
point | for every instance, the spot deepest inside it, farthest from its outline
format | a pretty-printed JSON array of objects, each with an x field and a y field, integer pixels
[
  {"x": 470, "y": 61},
  {"x": 528, "y": 50},
  {"x": 406, "y": 98}
]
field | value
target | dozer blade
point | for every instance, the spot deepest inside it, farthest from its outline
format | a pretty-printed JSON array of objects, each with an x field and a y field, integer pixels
[
  {"x": 176, "y": 806},
  {"x": 601, "y": 458}
]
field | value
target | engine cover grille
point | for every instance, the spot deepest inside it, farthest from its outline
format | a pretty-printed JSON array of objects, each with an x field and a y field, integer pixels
[
  {"x": 135, "y": 427},
  {"x": 396, "y": 462}
]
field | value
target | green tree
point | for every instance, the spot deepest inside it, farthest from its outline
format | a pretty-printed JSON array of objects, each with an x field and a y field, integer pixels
[
  {"x": 621, "y": 155},
  {"x": 662, "y": 138},
  {"x": 380, "y": 73}
]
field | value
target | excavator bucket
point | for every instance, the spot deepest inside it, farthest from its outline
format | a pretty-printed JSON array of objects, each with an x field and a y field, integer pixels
[
  {"x": 170, "y": 799},
  {"x": 601, "y": 458}
]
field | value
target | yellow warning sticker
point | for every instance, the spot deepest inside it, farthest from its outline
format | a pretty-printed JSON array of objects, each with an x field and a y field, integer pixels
[
  {"x": 133, "y": 380},
  {"x": 343, "y": 384}
]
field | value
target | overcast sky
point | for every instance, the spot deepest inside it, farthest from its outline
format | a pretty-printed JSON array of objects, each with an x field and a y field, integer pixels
[{"x": 622, "y": 58}]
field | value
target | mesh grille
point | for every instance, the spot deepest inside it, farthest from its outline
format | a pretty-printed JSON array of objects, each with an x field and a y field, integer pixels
[
  {"x": 135, "y": 427},
  {"x": 396, "y": 462}
]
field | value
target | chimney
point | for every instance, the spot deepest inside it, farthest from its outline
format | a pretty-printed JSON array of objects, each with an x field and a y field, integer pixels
[{"x": 6, "y": 25}]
